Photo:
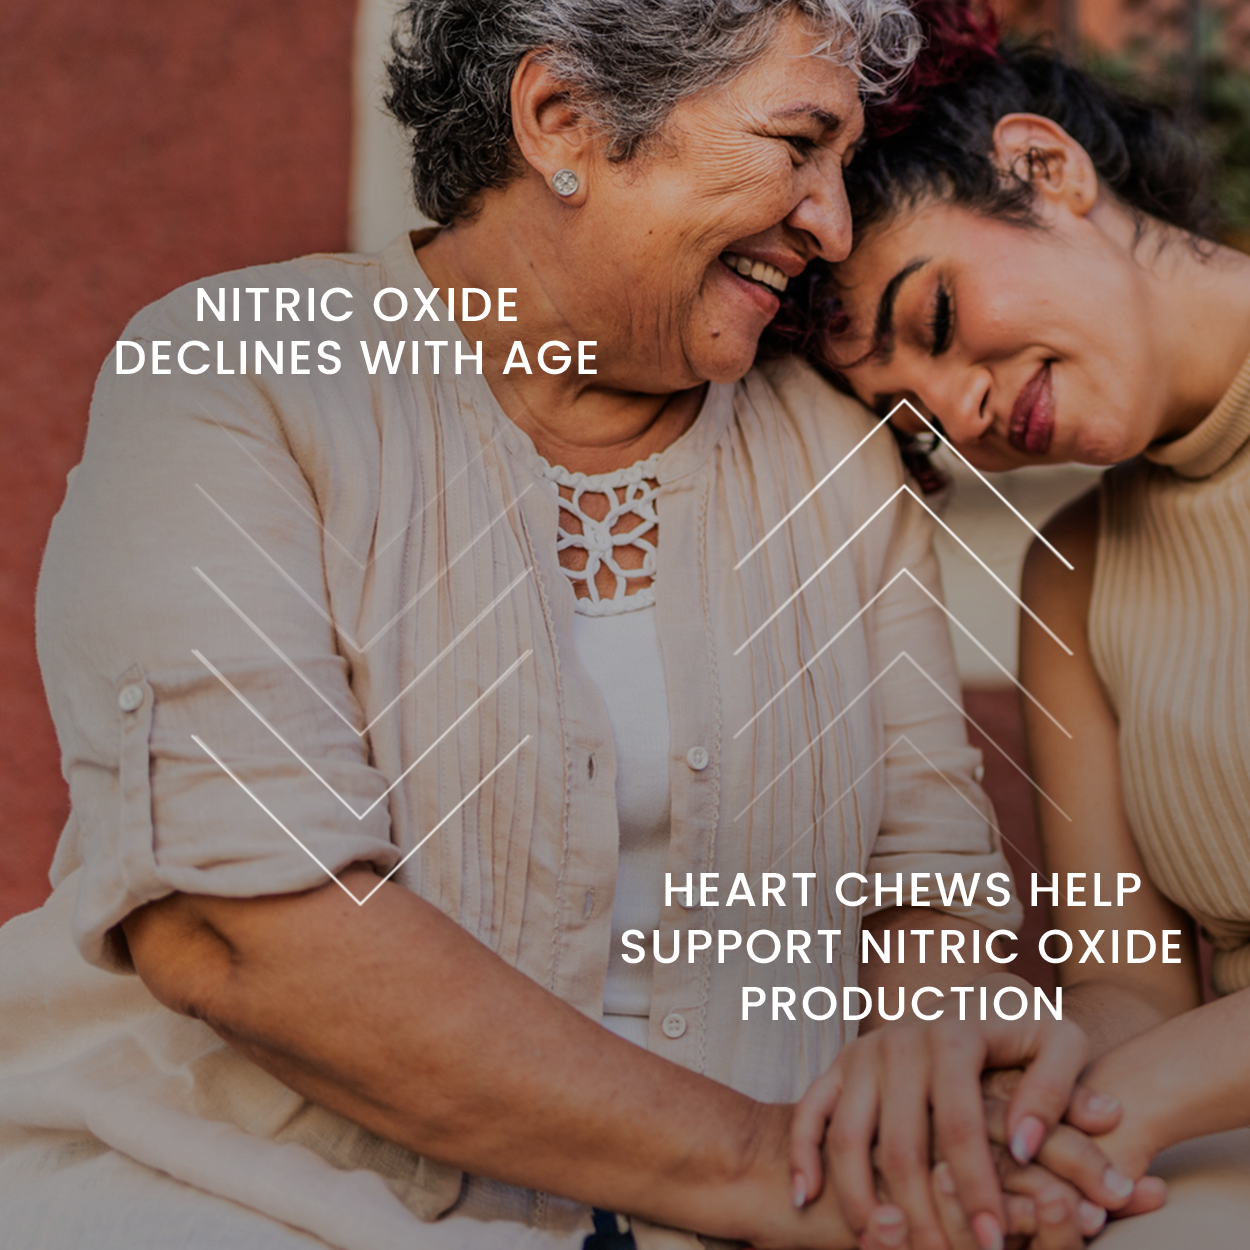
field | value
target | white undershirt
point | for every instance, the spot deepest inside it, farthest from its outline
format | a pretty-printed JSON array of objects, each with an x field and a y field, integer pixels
[
  {"x": 619, "y": 647},
  {"x": 622, "y": 653}
]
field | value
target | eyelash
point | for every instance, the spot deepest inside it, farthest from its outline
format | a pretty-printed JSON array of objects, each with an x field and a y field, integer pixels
[
  {"x": 800, "y": 143},
  {"x": 941, "y": 322}
]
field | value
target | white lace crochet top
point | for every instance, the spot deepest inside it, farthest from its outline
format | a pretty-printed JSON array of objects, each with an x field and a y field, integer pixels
[
  {"x": 619, "y": 647},
  {"x": 620, "y": 548}
]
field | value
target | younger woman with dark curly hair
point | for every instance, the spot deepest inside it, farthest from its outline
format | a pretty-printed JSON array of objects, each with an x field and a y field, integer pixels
[{"x": 1034, "y": 271}]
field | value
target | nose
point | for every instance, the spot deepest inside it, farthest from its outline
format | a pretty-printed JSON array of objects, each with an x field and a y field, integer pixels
[
  {"x": 823, "y": 213},
  {"x": 958, "y": 395}
]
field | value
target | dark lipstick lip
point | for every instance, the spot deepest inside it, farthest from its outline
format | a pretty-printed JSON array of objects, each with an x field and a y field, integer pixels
[{"x": 1033, "y": 415}]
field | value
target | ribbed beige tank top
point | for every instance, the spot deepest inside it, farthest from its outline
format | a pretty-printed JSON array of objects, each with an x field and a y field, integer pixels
[{"x": 1169, "y": 627}]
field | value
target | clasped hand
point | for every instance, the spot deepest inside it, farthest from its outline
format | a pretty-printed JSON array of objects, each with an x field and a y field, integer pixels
[{"x": 964, "y": 1136}]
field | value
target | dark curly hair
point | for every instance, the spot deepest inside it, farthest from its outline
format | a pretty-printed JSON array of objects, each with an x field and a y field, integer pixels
[{"x": 934, "y": 139}]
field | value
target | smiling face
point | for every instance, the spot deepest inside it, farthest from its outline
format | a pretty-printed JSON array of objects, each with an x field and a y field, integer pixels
[
  {"x": 1030, "y": 344},
  {"x": 680, "y": 254}
]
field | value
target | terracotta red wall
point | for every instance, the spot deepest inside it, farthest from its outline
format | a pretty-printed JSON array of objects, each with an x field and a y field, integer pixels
[{"x": 143, "y": 144}]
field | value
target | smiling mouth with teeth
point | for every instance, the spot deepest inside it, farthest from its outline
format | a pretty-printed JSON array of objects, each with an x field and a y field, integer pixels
[{"x": 756, "y": 271}]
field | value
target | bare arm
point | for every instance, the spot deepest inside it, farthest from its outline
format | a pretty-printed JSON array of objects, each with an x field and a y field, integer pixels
[
  {"x": 393, "y": 1016},
  {"x": 1178, "y": 1068},
  {"x": 1082, "y": 775},
  {"x": 1185, "y": 1078}
]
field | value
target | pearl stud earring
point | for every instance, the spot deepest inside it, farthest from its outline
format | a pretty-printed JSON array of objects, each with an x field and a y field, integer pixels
[{"x": 564, "y": 181}]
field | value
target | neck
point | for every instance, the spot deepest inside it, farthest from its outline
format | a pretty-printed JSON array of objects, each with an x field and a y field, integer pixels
[
  {"x": 590, "y": 423},
  {"x": 1203, "y": 313}
]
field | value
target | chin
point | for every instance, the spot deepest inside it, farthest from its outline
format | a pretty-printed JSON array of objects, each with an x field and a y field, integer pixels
[
  {"x": 727, "y": 358},
  {"x": 1107, "y": 451}
]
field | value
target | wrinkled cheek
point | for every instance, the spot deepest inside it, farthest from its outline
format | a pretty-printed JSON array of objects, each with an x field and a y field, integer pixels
[{"x": 761, "y": 191}]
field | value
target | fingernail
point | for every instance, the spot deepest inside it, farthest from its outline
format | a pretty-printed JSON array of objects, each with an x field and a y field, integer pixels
[
  {"x": 889, "y": 1226},
  {"x": 1027, "y": 1139},
  {"x": 988, "y": 1232},
  {"x": 944, "y": 1178},
  {"x": 1103, "y": 1104},
  {"x": 1118, "y": 1185},
  {"x": 1092, "y": 1218},
  {"x": 799, "y": 1191}
]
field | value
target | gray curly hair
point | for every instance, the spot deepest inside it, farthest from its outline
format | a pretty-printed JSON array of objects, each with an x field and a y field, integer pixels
[{"x": 630, "y": 61}]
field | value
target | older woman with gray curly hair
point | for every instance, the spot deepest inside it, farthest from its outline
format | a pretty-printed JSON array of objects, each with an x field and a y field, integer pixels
[{"x": 387, "y": 715}]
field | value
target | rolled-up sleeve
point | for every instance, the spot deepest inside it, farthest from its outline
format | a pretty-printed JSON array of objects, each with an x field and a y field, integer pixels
[
  {"x": 936, "y": 817},
  {"x": 194, "y": 665}
]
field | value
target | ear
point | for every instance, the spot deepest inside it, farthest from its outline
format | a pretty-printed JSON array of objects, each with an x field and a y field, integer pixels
[
  {"x": 1042, "y": 153},
  {"x": 551, "y": 132}
]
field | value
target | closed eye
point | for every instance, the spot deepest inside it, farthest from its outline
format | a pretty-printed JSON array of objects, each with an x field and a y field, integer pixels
[
  {"x": 802, "y": 144},
  {"x": 941, "y": 322}
]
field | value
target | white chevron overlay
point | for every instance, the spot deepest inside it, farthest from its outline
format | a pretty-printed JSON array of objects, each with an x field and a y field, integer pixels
[
  {"x": 902, "y": 490},
  {"x": 238, "y": 694},
  {"x": 361, "y": 646},
  {"x": 358, "y": 647},
  {"x": 902, "y": 655},
  {"x": 941, "y": 437},
  {"x": 949, "y": 615},
  {"x": 286, "y": 659},
  {"x": 312, "y": 515},
  {"x": 902, "y": 738},
  {"x": 360, "y": 902}
]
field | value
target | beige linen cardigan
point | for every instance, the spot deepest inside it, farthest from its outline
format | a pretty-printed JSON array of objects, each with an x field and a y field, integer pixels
[{"x": 288, "y": 623}]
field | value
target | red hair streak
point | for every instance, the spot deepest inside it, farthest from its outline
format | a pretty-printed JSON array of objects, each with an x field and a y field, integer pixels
[{"x": 958, "y": 34}]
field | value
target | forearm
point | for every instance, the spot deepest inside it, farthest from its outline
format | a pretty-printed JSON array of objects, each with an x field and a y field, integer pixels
[
  {"x": 1113, "y": 1012},
  {"x": 393, "y": 1016},
  {"x": 1185, "y": 1078}
]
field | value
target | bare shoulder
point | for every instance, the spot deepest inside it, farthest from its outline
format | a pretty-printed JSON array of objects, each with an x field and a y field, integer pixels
[{"x": 1049, "y": 587}]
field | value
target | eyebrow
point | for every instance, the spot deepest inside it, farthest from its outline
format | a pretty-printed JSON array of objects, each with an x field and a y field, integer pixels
[
  {"x": 884, "y": 325},
  {"x": 830, "y": 121}
]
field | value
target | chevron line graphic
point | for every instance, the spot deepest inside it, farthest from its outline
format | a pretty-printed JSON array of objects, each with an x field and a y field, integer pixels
[
  {"x": 903, "y": 655},
  {"x": 901, "y": 738},
  {"x": 950, "y": 616},
  {"x": 312, "y": 516},
  {"x": 902, "y": 490},
  {"x": 360, "y": 902},
  {"x": 361, "y": 648},
  {"x": 941, "y": 437},
  {"x": 798, "y": 507},
  {"x": 251, "y": 707},
  {"x": 286, "y": 659}
]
